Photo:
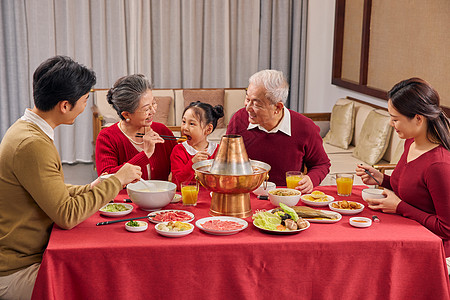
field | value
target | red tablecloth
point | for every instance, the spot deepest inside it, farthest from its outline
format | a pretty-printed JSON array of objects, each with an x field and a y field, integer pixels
[{"x": 394, "y": 259}]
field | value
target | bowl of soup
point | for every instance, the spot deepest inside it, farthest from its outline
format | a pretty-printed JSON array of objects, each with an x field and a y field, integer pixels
[{"x": 154, "y": 196}]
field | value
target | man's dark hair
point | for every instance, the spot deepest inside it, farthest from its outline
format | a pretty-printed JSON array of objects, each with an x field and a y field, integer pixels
[{"x": 60, "y": 78}]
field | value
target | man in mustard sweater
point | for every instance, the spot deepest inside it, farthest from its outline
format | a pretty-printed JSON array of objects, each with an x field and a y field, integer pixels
[{"x": 33, "y": 194}]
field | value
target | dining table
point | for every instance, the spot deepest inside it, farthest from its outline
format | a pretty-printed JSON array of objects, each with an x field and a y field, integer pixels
[{"x": 395, "y": 258}]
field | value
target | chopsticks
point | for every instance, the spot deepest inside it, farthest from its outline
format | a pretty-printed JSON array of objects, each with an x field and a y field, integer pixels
[
  {"x": 166, "y": 137},
  {"x": 117, "y": 221},
  {"x": 368, "y": 173}
]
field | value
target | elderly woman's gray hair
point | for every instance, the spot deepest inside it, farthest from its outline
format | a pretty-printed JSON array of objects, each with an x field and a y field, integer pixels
[
  {"x": 275, "y": 84},
  {"x": 126, "y": 93}
]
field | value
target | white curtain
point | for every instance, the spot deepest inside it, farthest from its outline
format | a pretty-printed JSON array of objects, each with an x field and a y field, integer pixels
[{"x": 177, "y": 43}]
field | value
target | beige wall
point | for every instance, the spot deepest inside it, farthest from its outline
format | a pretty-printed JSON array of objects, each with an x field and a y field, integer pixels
[{"x": 320, "y": 94}]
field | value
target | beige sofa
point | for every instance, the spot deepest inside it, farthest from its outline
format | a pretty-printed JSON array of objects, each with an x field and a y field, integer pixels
[{"x": 388, "y": 149}]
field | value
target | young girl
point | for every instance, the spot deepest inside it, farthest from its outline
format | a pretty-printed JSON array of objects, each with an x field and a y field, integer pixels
[{"x": 199, "y": 120}]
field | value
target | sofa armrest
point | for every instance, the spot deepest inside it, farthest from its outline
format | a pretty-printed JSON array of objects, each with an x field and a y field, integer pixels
[{"x": 384, "y": 167}]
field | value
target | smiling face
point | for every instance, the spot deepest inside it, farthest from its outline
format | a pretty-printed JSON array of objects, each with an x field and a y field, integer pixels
[
  {"x": 143, "y": 116},
  {"x": 405, "y": 127},
  {"x": 192, "y": 127},
  {"x": 260, "y": 109}
]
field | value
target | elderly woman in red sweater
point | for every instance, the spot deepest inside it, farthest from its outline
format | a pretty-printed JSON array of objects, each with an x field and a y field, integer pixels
[
  {"x": 419, "y": 187},
  {"x": 131, "y": 97},
  {"x": 283, "y": 138}
]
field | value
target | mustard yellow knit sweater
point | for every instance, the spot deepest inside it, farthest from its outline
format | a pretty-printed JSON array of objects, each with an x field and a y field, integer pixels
[{"x": 33, "y": 196}]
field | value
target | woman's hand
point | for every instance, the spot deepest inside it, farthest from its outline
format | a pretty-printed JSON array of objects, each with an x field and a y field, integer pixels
[
  {"x": 366, "y": 179},
  {"x": 201, "y": 155},
  {"x": 128, "y": 173},
  {"x": 386, "y": 205},
  {"x": 151, "y": 138},
  {"x": 305, "y": 185}
]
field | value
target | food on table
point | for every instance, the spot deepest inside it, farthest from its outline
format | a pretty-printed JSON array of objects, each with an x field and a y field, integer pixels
[
  {"x": 280, "y": 192},
  {"x": 221, "y": 225},
  {"x": 136, "y": 223},
  {"x": 282, "y": 219},
  {"x": 318, "y": 195},
  {"x": 114, "y": 207},
  {"x": 323, "y": 198},
  {"x": 174, "y": 226},
  {"x": 346, "y": 205},
  {"x": 308, "y": 212},
  {"x": 171, "y": 216}
]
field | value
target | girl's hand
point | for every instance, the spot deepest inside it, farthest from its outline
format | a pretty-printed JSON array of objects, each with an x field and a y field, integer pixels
[
  {"x": 360, "y": 171},
  {"x": 201, "y": 155},
  {"x": 151, "y": 138},
  {"x": 386, "y": 205}
]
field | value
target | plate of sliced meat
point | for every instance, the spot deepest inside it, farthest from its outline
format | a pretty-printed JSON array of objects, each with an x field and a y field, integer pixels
[
  {"x": 170, "y": 215},
  {"x": 221, "y": 225}
]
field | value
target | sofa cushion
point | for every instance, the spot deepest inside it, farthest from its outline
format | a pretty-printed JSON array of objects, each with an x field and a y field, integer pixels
[
  {"x": 374, "y": 137},
  {"x": 163, "y": 109},
  {"x": 213, "y": 97},
  {"x": 341, "y": 125}
]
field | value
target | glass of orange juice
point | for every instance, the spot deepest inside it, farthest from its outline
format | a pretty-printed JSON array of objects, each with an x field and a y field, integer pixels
[
  {"x": 344, "y": 182},
  {"x": 189, "y": 192},
  {"x": 292, "y": 178}
]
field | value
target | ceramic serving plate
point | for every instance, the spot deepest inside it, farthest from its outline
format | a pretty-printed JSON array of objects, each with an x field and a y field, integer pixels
[
  {"x": 305, "y": 199},
  {"x": 173, "y": 233},
  {"x": 171, "y": 215},
  {"x": 128, "y": 209},
  {"x": 221, "y": 222},
  {"x": 142, "y": 226},
  {"x": 283, "y": 231},
  {"x": 346, "y": 211},
  {"x": 360, "y": 222},
  {"x": 322, "y": 220}
]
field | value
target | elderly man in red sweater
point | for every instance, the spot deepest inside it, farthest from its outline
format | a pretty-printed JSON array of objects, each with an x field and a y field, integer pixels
[{"x": 285, "y": 139}]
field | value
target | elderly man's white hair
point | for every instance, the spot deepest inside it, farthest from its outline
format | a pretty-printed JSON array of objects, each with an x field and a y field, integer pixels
[{"x": 275, "y": 83}]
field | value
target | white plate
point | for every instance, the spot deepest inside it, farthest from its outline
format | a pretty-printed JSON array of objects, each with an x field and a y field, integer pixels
[
  {"x": 199, "y": 223},
  {"x": 317, "y": 203},
  {"x": 176, "y": 198},
  {"x": 284, "y": 231},
  {"x": 312, "y": 220},
  {"x": 142, "y": 227},
  {"x": 360, "y": 222},
  {"x": 347, "y": 211},
  {"x": 170, "y": 210},
  {"x": 117, "y": 213},
  {"x": 174, "y": 233}
]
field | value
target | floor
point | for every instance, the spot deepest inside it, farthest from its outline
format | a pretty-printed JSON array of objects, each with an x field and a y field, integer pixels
[{"x": 81, "y": 173}]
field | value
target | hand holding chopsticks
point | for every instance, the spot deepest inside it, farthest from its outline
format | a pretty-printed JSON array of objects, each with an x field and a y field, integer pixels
[
  {"x": 166, "y": 137},
  {"x": 122, "y": 220}
]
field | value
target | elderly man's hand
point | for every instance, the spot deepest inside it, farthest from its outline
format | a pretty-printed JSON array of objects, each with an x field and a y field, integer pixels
[{"x": 305, "y": 185}]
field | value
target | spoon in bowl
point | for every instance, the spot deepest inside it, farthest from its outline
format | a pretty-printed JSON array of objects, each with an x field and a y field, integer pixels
[{"x": 149, "y": 185}]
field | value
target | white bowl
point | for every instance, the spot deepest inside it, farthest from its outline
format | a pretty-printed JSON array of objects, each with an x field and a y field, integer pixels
[
  {"x": 142, "y": 227},
  {"x": 360, "y": 222},
  {"x": 152, "y": 199},
  {"x": 261, "y": 191},
  {"x": 372, "y": 193},
  {"x": 288, "y": 200},
  {"x": 173, "y": 233}
]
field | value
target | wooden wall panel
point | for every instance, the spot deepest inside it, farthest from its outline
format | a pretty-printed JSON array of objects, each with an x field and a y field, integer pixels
[{"x": 407, "y": 38}]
